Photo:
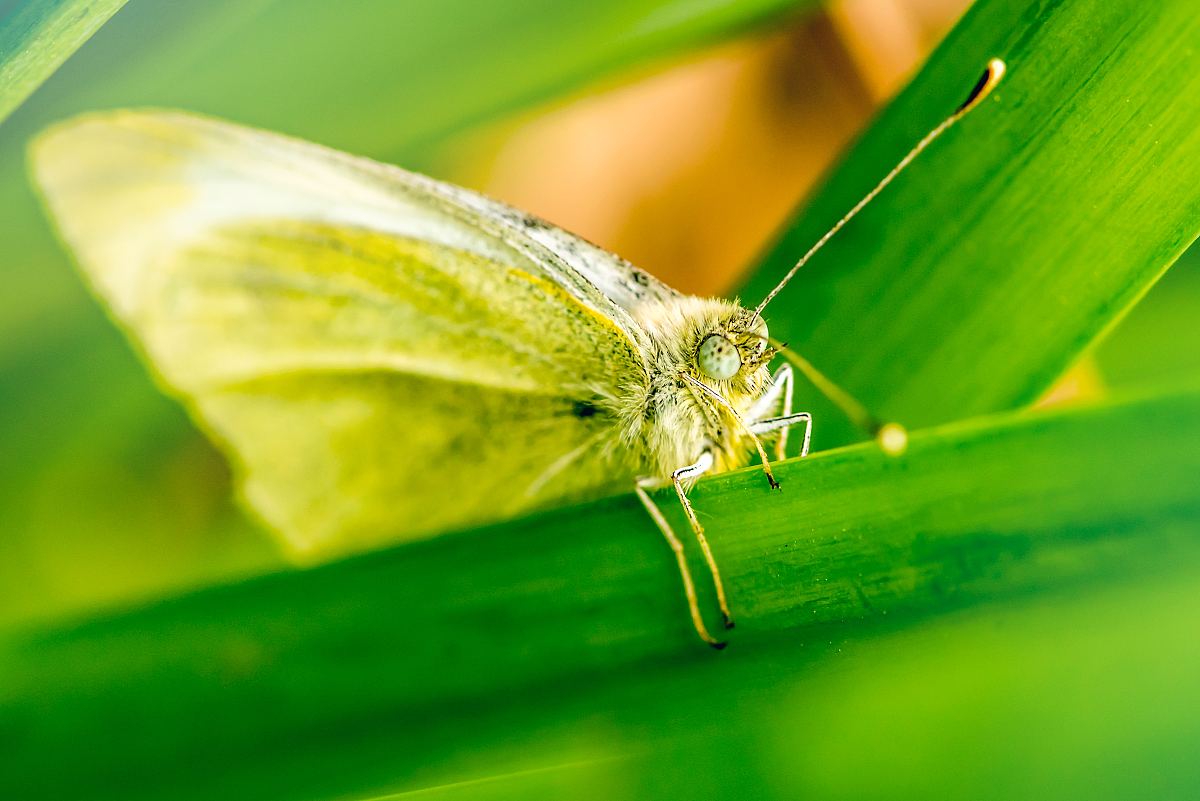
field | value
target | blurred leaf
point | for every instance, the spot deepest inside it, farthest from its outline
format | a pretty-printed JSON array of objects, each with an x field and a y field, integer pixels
[
  {"x": 379, "y": 669},
  {"x": 1079, "y": 697},
  {"x": 1028, "y": 230},
  {"x": 106, "y": 493},
  {"x": 1158, "y": 344},
  {"x": 36, "y": 36},
  {"x": 1088, "y": 695},
  {"x": 382, "y": 78}
]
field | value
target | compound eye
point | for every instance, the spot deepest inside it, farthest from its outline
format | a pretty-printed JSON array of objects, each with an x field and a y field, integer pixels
[{"x": 718, "y": 357}]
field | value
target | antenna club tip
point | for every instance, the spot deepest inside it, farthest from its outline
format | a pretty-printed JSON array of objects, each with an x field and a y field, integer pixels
[
  {"x": 992, "y": 73},
  {"x": 892, "y": 438}
]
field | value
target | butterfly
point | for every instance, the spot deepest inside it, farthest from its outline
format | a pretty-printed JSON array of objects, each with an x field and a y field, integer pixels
[{"x": 384, "y": 357}]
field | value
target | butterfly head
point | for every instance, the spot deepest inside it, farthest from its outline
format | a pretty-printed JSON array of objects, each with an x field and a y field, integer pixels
[{"x": 737, "y": 345}]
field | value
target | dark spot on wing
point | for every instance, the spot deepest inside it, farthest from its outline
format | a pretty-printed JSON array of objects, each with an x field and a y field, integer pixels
[{"x": 640, "y": 277}]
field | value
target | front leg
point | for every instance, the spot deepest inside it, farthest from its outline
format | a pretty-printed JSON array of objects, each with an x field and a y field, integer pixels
[
  {"x": 701, "y": 466},
  {"x": 782, "y": 385},
  {"x": 784, "y": 423}
]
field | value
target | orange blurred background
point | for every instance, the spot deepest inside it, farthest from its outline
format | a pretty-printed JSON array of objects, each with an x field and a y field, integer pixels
[{"x": 687, "y": 171}]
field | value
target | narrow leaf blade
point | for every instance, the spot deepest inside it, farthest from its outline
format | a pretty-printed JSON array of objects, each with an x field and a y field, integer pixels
[
  {"x": 1025, "y": 232},
  {"x": 36, "y": 37}
]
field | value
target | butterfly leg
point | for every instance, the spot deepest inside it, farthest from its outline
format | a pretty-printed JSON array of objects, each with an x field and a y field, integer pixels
[
  {"x": 689, "y": 588},
  {"x": 702, "y": 466},
  {"x": 781, "y": 388},
  {"x": 787, "y": 421},
  {"x": 741, "y": 421}
]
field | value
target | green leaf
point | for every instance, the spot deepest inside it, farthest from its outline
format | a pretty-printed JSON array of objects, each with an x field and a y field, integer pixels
[
  {"x": 37, "y": 36},
  {"x": 381, "y": 669},
  {"x": 1023, "y": 234},
  {"x": 1088, "y": 695},
  {"x": 1157, "y": 345},
  {"x": 1085, "y": 695}
]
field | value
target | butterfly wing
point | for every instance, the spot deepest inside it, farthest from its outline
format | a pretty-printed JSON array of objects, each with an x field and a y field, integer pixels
[
  {"x": 380, "y": 359},
  {"x": 620, "y": 282}
]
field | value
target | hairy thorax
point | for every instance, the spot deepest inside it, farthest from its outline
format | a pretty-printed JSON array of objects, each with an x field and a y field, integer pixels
[{"x": 672, "y": 421}]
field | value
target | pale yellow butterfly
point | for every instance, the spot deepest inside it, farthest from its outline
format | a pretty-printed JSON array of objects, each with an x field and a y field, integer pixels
[{"x": 385, "y": 357}]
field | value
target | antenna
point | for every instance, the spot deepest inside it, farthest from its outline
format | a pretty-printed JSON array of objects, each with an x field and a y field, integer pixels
[{"x": 987, "y": 82}]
